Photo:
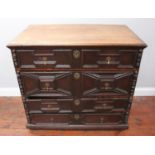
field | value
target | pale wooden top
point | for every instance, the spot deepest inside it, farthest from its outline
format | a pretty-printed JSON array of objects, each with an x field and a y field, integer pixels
[{"x": 76, "y": 35}]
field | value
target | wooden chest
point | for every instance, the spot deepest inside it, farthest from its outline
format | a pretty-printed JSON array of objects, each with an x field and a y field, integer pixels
[{"x": 77, "y": 76}]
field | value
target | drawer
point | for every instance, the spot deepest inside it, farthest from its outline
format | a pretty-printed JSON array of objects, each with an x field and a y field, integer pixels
[
  {"x": 77, "y": 84},
  {"x": 106, "y": 83},
  {"x": 48, "y": 58},
  {"x": 84, "y": 105},
  {"x": 47, "y": 84},
  {"x": 77, "y": 118},
  {"x": 68, "y": 58},
  {"x": 109, "y": 58}
]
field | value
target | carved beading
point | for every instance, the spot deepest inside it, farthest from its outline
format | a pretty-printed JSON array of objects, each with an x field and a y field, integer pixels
[
  {"x": 133, "y": 85},
  {"x": 20, "y": 84},
  {"x": 139, "y": 58}
]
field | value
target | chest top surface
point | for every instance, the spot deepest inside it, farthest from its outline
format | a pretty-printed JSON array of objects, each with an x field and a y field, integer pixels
[{"x": 77, "y": 35}]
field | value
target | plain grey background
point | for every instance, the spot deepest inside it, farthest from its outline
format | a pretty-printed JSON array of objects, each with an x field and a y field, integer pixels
[{"x": 144, "y": 28}]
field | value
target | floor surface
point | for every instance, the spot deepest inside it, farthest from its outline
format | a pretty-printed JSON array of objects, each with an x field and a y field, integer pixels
[{"x": 141, "y": 120}]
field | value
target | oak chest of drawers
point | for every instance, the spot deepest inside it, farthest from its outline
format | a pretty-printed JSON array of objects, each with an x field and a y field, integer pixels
[{"x": 77, "y": 76}]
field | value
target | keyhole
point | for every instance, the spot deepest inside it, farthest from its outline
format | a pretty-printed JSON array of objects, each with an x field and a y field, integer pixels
[{"x": 108, "y": 60}]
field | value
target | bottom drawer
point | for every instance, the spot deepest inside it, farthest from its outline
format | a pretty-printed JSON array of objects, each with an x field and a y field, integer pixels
[{"x": 77, "y": 118}]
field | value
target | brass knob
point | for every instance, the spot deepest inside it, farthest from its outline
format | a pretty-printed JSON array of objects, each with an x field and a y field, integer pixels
[
  {"x": 76, "y": 54},
  {"x": 76, "y": 116},
  {"x": 77, "y": 102},
  {"x": 101, "y": 119},
  {"x": 108, "y": 60},
  {"x": 76, "y": 76}
]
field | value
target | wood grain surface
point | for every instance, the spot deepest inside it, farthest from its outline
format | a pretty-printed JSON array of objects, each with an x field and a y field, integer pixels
[
  {"x": 13, "y": 121},
  {"x": 71, "y": 35}
]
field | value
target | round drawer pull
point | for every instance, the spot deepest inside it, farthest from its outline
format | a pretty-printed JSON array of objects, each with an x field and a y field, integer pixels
[
  {"x": 108, "y": 60},
  {"x": 76, "y": 54},
  {"x": 76, "y": 76},
  {"x": 77, "y": 102},
  {"x": 76, "y": 116}
]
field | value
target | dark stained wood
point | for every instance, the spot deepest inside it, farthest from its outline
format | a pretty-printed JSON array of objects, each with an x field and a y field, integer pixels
[
  {"x": 110, "y": 82},
  {"x": 76, "y": 119},
  {"x": 48, "y": 58},
  {"x": 47, "y": 84},
  {"x": 88, "y": 58},
  {"x": 69, "y": 105},
  {"x": 59, "y": 62},
  {"x": 64, "y": 84},
  {"x": 13, "y": 121}
]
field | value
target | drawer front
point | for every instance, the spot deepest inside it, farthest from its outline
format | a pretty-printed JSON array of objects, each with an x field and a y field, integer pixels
[
  {"x": 47, "y": 84},
  {"x": 95, "y": 84},
  {"x": 77, "y": 84},
  {"x": 109, "y": 58},
  {"x": 77, "y": 118},
  {"x": 84, "y": 105},
  {"x": 50, "y": 105},
  {"x": 51, "y": 58},
  {"x": 67, "y": 58}
]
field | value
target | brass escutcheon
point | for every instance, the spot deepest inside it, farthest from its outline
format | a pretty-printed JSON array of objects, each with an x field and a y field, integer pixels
[
  {"x": 49, "y": 106},
  {"x": 106, "y": 85},
  {"x": 76, "y": 116},
  {"x": 108, "y": 60},
  {"x": 77, "y": 102},
  {"x": 44, "y": 59},
  {"x": 76, "y": 76},
  {"x": 76, "y": 54},
  {"x": 47, "y": 86}
]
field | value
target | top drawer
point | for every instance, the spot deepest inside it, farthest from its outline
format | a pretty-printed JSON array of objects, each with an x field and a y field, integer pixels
[{"x": 66, "y": 58}]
